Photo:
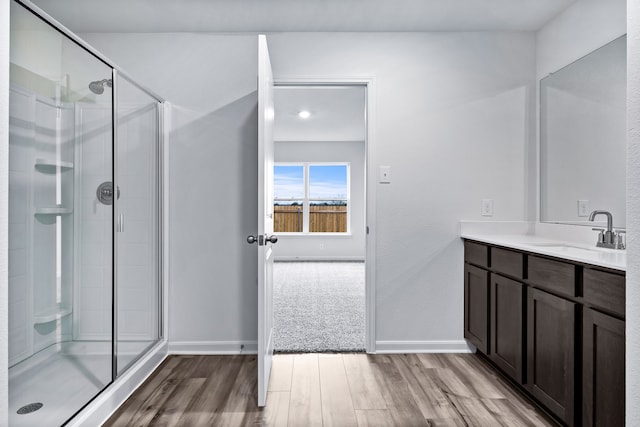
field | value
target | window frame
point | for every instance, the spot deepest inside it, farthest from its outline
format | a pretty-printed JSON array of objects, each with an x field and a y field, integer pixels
[{"x": 306, "y": 200}]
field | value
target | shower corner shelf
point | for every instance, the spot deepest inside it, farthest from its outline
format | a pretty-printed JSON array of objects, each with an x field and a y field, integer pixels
[
  {"x": 51, "y": 315},
  {"x": 51, "y": 166},
  {"x": 55, "y": 210}
]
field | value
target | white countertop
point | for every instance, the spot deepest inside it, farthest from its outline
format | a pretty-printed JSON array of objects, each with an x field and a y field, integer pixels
[{"x": 529, "y": 241}]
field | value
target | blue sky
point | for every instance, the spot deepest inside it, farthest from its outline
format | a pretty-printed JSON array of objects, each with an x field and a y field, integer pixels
[{"x": 326, "y": 181}]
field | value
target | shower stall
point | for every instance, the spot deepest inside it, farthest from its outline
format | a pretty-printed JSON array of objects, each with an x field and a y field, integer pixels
[{"x": 84, "y": 222}]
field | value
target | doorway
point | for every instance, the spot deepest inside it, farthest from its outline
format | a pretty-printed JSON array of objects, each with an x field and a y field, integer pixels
[{"x": 320, "y": 154}]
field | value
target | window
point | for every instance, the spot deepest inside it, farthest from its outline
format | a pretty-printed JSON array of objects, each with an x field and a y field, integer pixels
[{"x": 311, "y": 198}]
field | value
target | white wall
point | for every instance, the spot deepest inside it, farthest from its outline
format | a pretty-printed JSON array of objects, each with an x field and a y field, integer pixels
[
  {"x": 453, "y": 115},
  {"x": 453, "y": 123},
  {"x": 4, "y": 210},
  {"x": 581, "y": 28},
  {"x": 322, "y": 246},
  {"x": 633, "y": 216}
]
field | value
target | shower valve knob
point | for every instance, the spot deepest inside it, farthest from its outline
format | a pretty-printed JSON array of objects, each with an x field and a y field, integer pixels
[{"x": 105, "y": 194}]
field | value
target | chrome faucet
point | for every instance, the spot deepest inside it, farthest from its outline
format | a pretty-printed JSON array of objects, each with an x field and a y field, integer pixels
[{"x": 608, "y": 238}]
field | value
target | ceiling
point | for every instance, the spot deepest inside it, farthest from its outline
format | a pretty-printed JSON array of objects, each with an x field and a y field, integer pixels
[
  {"x": 337, "y": 113},
  {"x": 301, "y": 15}
]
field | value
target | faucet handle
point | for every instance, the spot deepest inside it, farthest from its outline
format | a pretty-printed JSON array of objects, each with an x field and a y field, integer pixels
[
  {"x": 600, "y": 235},
  {"x": 619, "y": 240}
]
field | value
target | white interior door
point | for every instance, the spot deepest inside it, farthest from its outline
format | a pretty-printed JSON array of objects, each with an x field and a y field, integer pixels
[{"x": 265, "y": 238}]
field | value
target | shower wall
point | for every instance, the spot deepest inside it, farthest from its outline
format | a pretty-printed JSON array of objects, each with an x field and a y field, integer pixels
[
  {"x": 39, "y": 131},
  {"x": 92, "y": 302},
  {"x": 138, "y": 274},
  {"x": 137, "y": 250}
]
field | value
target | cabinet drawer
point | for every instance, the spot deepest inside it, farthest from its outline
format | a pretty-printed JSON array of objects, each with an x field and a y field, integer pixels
[
  {"x": 553, "y": 275},
  {"x": 604, "y": 290},
  {"x": 476, "y": 253},
  {"x": 507, "y": 262}
]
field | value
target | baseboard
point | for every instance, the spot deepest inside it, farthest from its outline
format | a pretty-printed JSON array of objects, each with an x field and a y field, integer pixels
[
  {"x": 318, "y": 258},
  {"x": 107, "y": 402},
  {"x": 213, "y": 347},
  {"x": 391, "y": 347}
]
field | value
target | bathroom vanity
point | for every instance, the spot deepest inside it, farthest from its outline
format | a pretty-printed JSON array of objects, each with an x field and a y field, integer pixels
[{"x": 551, "y": 317}]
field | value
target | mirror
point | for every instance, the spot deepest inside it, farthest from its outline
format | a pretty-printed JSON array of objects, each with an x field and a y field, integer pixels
[{"x": 583, "y": 138}]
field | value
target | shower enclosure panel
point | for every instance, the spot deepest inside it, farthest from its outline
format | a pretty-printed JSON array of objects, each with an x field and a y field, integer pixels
[
  {"x": 138, "y": 221},
  {"x": 52, "y": 375},
  {"x": 84, "y": 222}
]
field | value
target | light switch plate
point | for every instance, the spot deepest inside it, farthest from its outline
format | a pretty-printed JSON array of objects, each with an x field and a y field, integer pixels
[
  {"x": 583, "y": 208},
  {"x": 487, "y": 207},
  {"x": 384, "y": 174}
]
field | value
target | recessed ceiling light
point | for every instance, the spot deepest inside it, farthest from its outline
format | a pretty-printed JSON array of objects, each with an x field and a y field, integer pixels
[{"x": 304, "y": 114}]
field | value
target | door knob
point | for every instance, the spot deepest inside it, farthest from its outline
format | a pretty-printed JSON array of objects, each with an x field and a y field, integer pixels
[
  {"x": 251, "y": 239},
  {"x": 272, "y": 239}
]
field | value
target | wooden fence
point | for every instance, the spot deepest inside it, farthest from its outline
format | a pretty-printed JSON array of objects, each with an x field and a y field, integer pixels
[
  {"x": 322, "y": 219},
  {"x": 287, "y": 219}
]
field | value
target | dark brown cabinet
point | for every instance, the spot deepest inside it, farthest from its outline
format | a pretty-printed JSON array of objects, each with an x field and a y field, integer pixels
[
  {"x": 554, "y": 326},
  {"x": 550, "y": 352},
  {"x": 507, "y": 298},
  {"x": 603, "y": 370},
  {"x": 476, "y": 307}
]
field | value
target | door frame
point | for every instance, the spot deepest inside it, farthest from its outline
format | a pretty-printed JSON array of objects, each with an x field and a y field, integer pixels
[{"x": 368, "y": 82}]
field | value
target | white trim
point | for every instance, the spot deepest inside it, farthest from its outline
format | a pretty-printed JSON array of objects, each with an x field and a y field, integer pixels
[
  {"x": 319, "y": 258},
  {"x": 370, "y": 220},
  {"x": 393, "y": 347},
  {"x": 370, "y": 187},
  {"x": 107, "y": 402},
  {"x": 166, "y": 244},
  {"x": 213, "y": 347}
]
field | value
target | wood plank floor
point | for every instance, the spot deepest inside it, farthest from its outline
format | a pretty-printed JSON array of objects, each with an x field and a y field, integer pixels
[{"x": 328, "y": 390}]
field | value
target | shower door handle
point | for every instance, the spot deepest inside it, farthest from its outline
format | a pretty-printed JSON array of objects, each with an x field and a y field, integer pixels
[{"x": 120, "y": 227}]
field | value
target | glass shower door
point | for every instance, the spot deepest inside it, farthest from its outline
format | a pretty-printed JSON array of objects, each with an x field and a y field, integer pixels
[
  {"x": 60, "y": 251},
  {"x": 137, "y": 228}
]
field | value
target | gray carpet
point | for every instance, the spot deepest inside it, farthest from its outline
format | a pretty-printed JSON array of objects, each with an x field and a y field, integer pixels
[{"x": 318, "y": 306}]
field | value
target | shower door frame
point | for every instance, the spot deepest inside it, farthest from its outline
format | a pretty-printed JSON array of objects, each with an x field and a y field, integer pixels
[{"x": 159, "y": 205}]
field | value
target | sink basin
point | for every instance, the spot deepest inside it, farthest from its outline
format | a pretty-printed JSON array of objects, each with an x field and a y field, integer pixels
[
  {"x": 577, "y": 251},
  {"x": 558, "y": 245},
  {"x": 568, "y": 249}
]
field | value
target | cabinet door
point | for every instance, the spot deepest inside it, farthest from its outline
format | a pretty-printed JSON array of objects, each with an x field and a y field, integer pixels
[
  {"x": 603, "y": 370},
  {"x": 550, "y": 350},
  {"x": 507, "y": 299},
  {"x": 476, "y": 307}
]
